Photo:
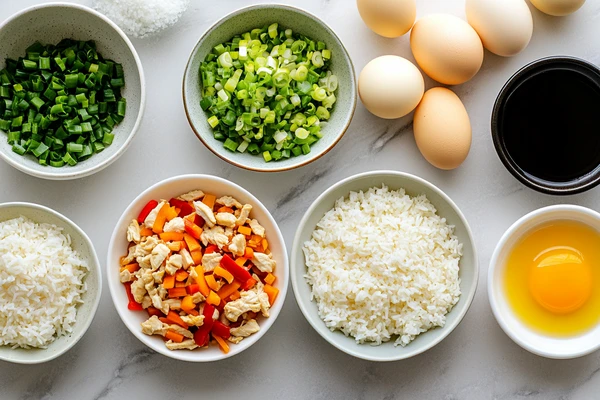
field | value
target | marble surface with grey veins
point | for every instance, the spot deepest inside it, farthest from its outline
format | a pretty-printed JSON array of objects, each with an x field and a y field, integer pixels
[{"x": 477, "y": 361}]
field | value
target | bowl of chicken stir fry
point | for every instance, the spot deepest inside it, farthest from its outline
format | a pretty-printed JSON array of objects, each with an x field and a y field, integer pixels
[{"x": 197, "y": 268}]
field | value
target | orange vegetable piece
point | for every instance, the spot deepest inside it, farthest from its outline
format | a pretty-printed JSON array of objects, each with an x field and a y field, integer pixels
[
  {"x": 171, "y": 213},
  {"x": 181, "y": 275},
  {"x": 187, "y": 304},
  {"x": 191, "y": 242},
  {"x": 165, "y": 320},
  {"x": 245, "y": 230},
  {"x": 168, "y": 281},
  {"x": 160, "y": 220},
  {"x": 256, "y": 238},
  {"x": 270, "y": 278},
  {"x": 241, "y": 261},
  {"x": 222, "y": 344},
  {"x": 174, "y": 246},
  {"x": 234, "y": 296},
  {"x": 211, "y": 282},
  {"x": 146, "y": 232},
  {"x": 175, "y": 319},
  {"x": 180, "y": 284},
  {"x": 174, "y": 336},
  {"x": 249, "y": 253},
  {"x": 225, "y": 209},
  {"x": 265, "y": 244},
  {"x": 222, "y": 272},
  {"x": 201, "y": 281},
  {"x": 196, "y": 256},
  {"x": 272, "y": 292},
  {"x": 171, "y": 236},
  {"x": 131, "y": 267},
  {"x": 213, "y": 298},
  {"x": 193, "y": 312},
  {"x": 177, "y": 292},
  {"x": 209, "y": 200},
  {"x": 192, "y": 229},
  {"x": 227, "y": 290}
]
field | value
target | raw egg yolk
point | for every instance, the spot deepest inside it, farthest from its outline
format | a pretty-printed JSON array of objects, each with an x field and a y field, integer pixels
[{"x": 560, "y": 280}]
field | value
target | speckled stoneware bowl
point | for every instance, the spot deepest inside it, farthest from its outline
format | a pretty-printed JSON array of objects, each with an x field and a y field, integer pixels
[
  {"x": 469, "y": 270},
  {"x": 50, "y": 23},
  {"x": 244, "y": 20},
  {"x": 93, "y": 280}
]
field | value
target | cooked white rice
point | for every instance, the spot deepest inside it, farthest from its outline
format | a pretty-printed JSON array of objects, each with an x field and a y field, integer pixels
[
  {"x": 381, "y": 264},
  {"x": 41, "y": 283}
]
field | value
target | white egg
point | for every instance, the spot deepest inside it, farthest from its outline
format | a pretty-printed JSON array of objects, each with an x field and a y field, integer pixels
[
  {"x": 390, "y": 86},
  {"x": 388, "y": 18},
  {"x": 505, "y": 27},
  {"x": 558, "y": 8}
]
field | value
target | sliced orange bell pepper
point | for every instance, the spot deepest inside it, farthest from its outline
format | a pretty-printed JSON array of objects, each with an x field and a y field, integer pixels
[
  {"x": 171, "y": 213},
  {"x": 201, "y": 281},
  {"x": 168, "y": 281},
  {"x": 241, "y": 261},
  {"x": 222, "y": 272},
  {"x": 146, "y": 232},
  {"x": 181, "y": 275},
  {"x": 192, "y": 229},
  {"x": 177, "y": 292},
  {"x": 211, "y": 282},
  {"x": 228, "y": 290},
  {"x": 265, "y": 244},
  {"x": 187, "y": 304},
  {"x": 234, "y": 296},
  {"x": 270, "y": 278},
  {"x": 131, "y": 267},
  {"x": 161, "y": 219},
  {"x": 209, "y": 200},
  {"x": 171, "y": 236},
  {"x": 191, "y": 242},
  {"x": 272, "y": 292},
  {"x": 225, "y": 209},
  {"x": 176, "y": 319},
  {"x": 174, "y": 246},
  {"x": 213, "y": 298},
  {"x": 249, "y": 253},
  {"x": 245, "y": 230},
  {"x": 174, "y": 336},
  {"x": 196, "y": 256}
]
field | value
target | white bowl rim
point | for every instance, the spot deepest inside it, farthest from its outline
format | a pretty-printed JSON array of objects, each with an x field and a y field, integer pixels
[
  {"x": 98, "y": 167},
  {"x": 448, "y": 328},
  {"x": 506, "y": 236},
  {"x": 220, "y": 21},
  {"x": 97, "y": 271},
  {"x": 189, "y": 356}
]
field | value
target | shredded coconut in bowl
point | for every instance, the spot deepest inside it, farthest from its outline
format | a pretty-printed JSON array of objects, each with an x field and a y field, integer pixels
[
  {"x": 383, "y": 264},
  {"x": 142, "y": 18},
  {"x": 41, "y": 283}
]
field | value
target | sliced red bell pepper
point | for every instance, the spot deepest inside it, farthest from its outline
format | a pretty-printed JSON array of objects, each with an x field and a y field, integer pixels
[
  {"x": 220, "y": 329},
  {"x": 132, "y": 305},
  {"x": 249, "y": 284},
  {"x": 202, "y": 334},
  {"x": 194, "y": 230},
  {"x": 184, "y": 206},
  {"x": 238, "y": 272},
  {"x": 211, "y": 248},
  {"x": 193, "y": 288},
  {"x": 146, "y": 210},
  {"x": 154, "y": 311},
  {"x": 198, "y": 220}
]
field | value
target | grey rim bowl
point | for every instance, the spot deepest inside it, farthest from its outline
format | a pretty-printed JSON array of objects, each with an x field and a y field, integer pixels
[
  {"x": 469, "y": 269},
  {"x": 298, "y": 20},
  {"x": 91, "y": 298},
  {"x": 49, "y": 23}
]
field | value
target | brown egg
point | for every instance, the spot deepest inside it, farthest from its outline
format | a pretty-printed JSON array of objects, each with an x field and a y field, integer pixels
[
  {"x": 442, "y": 128},
  {"x": 388, "y": 18},
  {"x": 558, "y": 8}
]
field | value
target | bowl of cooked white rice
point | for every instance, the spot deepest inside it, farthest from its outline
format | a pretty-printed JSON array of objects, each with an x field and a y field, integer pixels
[
  {"x": 50, "y": 283},
  {"x": 384, "y": 265}
]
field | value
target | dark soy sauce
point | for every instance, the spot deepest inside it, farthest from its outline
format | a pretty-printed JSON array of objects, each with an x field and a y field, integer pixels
[{"x": 551, "y": 125}]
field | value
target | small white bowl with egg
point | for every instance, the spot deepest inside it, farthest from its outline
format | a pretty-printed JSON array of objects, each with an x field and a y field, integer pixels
[{"x": 82, "y": 244}]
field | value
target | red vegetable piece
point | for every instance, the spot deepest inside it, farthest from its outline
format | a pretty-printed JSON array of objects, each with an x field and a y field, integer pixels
[
  {"x": 201, "y": 336},
  {"x": 184, "y": 206},
  {"x": 146, "y": 210},
  {"x": 238, "y": 272},
  {"x": 194, "y": 230},
  {"x": 198, "y": 220},
  {"x": 211, "y": 248},
  {"x": 248, "y": 284},
  {"x": 193, "y": 289},
  {"x": 132, "y": 305},
  {"x": 220, "y": 329}
]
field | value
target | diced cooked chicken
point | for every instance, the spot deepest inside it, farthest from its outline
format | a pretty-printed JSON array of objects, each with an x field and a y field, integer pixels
[
  {"x": 192, "y": 196},
  {"x": 157, "y": 302},
  {"x": 158, "y": 276},
  {"x": 134, "y": 252},
  {"x": 223, "y": 319},
  {"x": 162, "y": 292},
  {"x": 215, "y": 235},
  {"x": 210, "y": 261},
  {"x": 235, "y": 339},
  {"x": 193, "y": 320},
  {"x": 149, "y": 243},
  {"x": 226, "y": 219},
  {"x": 174, "y": 304},
  {"x": 229, "y": 233},
  {"x": 262, "y": 261},
  {"x": 149, "y": 221},
  {"x": 198, "y": 298},
  {"x": 228, "y": 201},
  {"x": 153, "y": 326},
  {"x": 238, "y": 245},
  {"x": 186, "y": 259},
  {"x": 144, "y": 262},
  {"x": 146, "y": 302},
  {"x": 248, "y": 301},
  {"x": 246, "y": 329},
  {"x": 133, "y": 231},
  {"x": 174, "y": 263},
  {"x": 138, "y": 290},
  {"x": 244, "y": 214},
  {"x": 185, "y": 345},
  {"x": 159, "y": 255},
  {"x": 257, "y": 228},
  {"x": 263, "y": 298},
  {"x": 174, "y": 225},
  {"x": 125, "y": 276},
  {"x": 206, "y": 213}
]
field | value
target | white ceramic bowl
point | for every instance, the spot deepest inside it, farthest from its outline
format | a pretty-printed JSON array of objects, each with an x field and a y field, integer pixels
[
  {"x": 446, "y": 208},
  {"x": 50, "y": 23},
  {"x": 535, "y": 342},
  {"x": 165, "y": 190},
  {"x": 243, "y": 20},
  {"x": 86, "y": 311}
]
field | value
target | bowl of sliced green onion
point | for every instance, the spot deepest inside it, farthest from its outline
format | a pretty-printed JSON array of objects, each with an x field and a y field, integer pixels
[
  {"x": 72, "y": 91},
  {"x": 269, "y": 88}
]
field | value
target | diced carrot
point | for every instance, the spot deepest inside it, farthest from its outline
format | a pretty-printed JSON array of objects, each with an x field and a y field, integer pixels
[
  {"x": 222, "y": 272},
  {"x": 272, "y": 292},
  {"x": 225, "y": 209},
  {"x": 249, "y": 253},
  {"x": 245, "y": 230},
  {"x": 265, "y": 244},
  {"x": 174, "y": 336},
  {"x": 196, "y": 256},
  {"x": 191, "y": 242},
  {"x": 227, "y": 290},
  {"x": 168, "y": 281},
  {"x": 174, "y": 246},
  {"x": 201, "y": 281},
  {"x": 222, "y": 344},
  {"x": 171, "y": 236},
  {"x": 211, "y": 282},
  {"x": 213, "y": 298},
  {"x": 187, "y": 304},
  {"x": 171, "y": 213},
  {"x": 180, "y": 284},
  {"x": 192, "y": 229},
  {"x": 160, "y": 220},
  {"x": 269, "y": 279},
  {"x": 234, "y": 296},
  {"x": 165, "y": 320},
  {"x": 193, "y": 312},
  {"x": 131, "y": 267},
  {"x": 177, "y": 292},
  {"x": 209, "y": 200},
  {"x": 181, "y": 275},
  {"x": 176, "y": 319},
  {"x": 146, "y": 232},
  {"x": 241, "y": 261}
]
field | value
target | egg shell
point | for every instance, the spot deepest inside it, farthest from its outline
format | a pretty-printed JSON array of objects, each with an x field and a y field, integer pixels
[
  {"x": 442, "y": 128},
  {"x": 558, "y": 8},
  {"x": 446, "y": 48},
  {"x": 388, "y": 18},
  {"x": 505, "y": 27},
  {"x": 390, "y": 86}
]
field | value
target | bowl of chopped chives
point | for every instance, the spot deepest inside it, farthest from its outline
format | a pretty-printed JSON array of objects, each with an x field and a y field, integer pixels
[
  {"x": 72, "y": 91},
  {"x": 269, "y": 88}
]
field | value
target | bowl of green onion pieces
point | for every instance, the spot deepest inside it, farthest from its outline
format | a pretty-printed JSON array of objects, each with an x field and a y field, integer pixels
[
  {"x": 71, "y": 91},
  {"x": 269, "y": 88}
]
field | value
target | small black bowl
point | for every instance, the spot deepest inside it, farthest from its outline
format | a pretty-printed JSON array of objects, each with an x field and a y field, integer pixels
[{"x": 547, "y": 176}]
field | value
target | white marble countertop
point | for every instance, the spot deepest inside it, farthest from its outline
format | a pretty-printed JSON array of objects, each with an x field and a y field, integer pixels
[{"x": 477, "y": 361}]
